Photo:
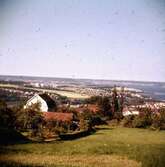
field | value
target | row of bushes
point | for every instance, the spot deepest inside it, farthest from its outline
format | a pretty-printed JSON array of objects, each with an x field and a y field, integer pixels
[
  {"x": 32, "y": 121},
  {"x": 146, "y": 119}
]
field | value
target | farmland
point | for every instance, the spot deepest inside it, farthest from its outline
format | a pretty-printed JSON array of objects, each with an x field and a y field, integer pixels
[
  {"x": 107, "y": 147},
  {"x": 69, "y": 94}
]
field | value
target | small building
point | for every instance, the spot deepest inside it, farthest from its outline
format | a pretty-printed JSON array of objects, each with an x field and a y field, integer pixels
[
  {"x": 130, "y": 111},
  {"x": 45, "y": 101}
]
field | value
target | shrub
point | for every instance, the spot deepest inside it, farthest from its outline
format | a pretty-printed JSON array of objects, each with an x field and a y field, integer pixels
[
  {"x": 104, "y": 104},
  {"x": 74, "y": 126},
  {"x": 158, "y": 120},
  {"x": 162, "y": 119},
  {"x": 97, "y": 120},
  {"x": 127, "y": 121},
  {"x": 146, "y": 118},
  {"x": 7, "y": 116},
  {"x": 118, "y": 116},
  {"x": 139, "y": 122},
  {"x": 30, "y": 119},
  {"x": 87, "y": 119},
  {"x": 84, "y": 124},
  {"x": 55, "y": 127}
]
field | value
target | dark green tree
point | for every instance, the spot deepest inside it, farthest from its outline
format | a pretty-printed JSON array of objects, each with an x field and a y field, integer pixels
[
  {"x": 105, "y": 106},
  {"x": 121, "y": 99},
  {"x": 31, "y": 119},
  {"x": 115, "y": 101},
  {"x": 7, "y": 116}
]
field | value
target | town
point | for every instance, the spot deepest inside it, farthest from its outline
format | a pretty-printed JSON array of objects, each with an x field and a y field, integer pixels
[
  {"x": 68, "y": 97},
  {"x": 38, "y": 112},
  {"x": 82, "y": 83}
]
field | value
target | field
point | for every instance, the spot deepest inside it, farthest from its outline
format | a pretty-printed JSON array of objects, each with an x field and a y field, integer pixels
[
  {"x": 108, "y": 147},
  {"x": 69, "y": 94}
]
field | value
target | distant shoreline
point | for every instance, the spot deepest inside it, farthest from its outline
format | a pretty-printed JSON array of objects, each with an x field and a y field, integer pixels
[
  {"x": 69, "y": 78},
  {"x": 155, "y": 90}
]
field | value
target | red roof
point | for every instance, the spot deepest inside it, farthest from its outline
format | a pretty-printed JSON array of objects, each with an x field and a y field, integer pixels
[
  {"x": 92, "y": 107},
  {"x": 58, "y": 116}
]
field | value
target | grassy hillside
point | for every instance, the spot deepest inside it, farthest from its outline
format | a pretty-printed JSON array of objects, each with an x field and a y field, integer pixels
[{"x": 107, "y": 147}]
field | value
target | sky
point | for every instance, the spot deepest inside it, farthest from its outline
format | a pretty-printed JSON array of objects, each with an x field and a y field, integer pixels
[{"x": 95, "y": 39}]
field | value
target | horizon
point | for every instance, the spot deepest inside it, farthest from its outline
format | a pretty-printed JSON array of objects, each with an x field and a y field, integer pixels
[
  {"x": 98, "y": 79},
  {"x": 99, "y": 40}
]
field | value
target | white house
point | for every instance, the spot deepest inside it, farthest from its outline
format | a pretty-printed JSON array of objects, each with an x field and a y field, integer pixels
[
  {"x": 130, "y": 111},
  {"x": 46, "y": 102}
]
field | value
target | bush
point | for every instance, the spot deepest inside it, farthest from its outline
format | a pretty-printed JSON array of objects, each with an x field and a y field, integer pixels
[
  {"x": 139, "y": 122},
  {"x": 87, "y": 119},
  {"x": 54, "y": 127},
  {"x": 143, "y": 120},
  {"x": 7, "y": 116},
  {"x": 146, "y": 118},
  {"x": 74, "y": 126},
  {"x": 30, "y": 119},
  {"x": 127, "y": 121},
  {"x": 84, "y": 124},
  {"x": 118, "y": 116},
  {"x": 97, "y": 120},
  {"x": 158, "y": 120},
  {"x": 104, "y": 104},
  {"x": 162, "y": 119}
]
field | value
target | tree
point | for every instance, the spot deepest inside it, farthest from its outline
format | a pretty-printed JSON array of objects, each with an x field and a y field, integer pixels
[
  {"x": 93, "y": 100},
  {"x": 7, "y": 117},
  {"x": 122, "y": 99},
  {"x": 117, "y": 104},
  {"x": 105, "y": 106},
  {"x": 84, "y": 123},
  {"x": 31, "y": 118}
]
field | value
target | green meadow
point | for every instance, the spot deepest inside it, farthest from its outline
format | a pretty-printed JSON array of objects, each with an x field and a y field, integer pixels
[{"x": 107, "y": 147}]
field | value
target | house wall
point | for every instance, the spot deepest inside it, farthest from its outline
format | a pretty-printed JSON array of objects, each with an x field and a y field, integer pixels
[
  {"x": 38, "y": 99},
  {"x": 126, "y": 113}
]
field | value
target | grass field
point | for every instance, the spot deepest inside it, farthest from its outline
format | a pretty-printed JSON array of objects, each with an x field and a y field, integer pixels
[
  {"x": 108, "y": 147},
  {"x": 69, "y": 94}
]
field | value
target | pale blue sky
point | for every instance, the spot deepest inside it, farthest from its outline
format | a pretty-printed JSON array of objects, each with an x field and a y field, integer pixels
[{"x": 103, "y": 39}]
